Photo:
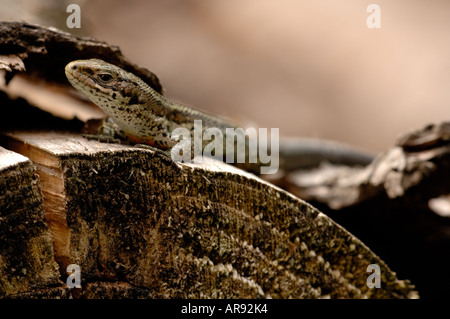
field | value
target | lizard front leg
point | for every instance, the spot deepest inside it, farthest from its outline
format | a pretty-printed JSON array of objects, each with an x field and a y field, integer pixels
[
  {"x": 107, "y": 131},
  {"x": 104, "y": 130}
]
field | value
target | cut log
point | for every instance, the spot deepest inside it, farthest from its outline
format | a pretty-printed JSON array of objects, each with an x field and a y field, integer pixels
[
  {"x": 133, "y": 217},
  {"x": 26, "y": 251}
]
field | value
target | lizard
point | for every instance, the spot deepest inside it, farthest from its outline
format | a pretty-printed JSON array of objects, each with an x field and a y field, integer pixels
[{"x": 139, "y": 114}]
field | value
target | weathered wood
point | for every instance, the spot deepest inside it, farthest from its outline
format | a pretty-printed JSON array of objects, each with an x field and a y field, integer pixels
[
  {"x": 391, "y": 205},
  {"x": 46, "y": 51},
  {"x": 419, "y": 159},
  {"x": 26, "y": 252},
  {"x": 192, "y": 231}
]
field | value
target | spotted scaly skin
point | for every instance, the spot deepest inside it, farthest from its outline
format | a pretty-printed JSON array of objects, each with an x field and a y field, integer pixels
[{"x": 144, "y": 115}]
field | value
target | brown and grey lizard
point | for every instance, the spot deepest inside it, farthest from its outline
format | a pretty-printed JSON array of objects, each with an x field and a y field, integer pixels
[{"x": 141, "y": 115}]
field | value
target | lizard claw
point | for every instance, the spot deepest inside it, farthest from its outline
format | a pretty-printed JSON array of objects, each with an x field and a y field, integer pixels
[{"x": 152, "y": 148}]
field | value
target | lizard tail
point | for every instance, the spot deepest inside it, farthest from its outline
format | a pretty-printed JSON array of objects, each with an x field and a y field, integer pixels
[{"x": 298, "y": 153}]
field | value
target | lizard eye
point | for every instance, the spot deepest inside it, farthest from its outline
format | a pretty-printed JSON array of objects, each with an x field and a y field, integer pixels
[{"x": 105, "y": 77}]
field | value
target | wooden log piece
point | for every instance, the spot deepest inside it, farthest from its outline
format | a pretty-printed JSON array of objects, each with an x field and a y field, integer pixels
[
  {"x": 134, "y": 220},
  {"x": 26, "y": 253}
]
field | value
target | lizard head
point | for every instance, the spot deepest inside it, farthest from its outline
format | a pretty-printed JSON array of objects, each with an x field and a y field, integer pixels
[{"x": 110, "y": 87}]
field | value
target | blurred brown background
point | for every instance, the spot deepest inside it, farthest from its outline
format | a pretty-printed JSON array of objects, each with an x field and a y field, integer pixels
[{"x": 311, "y": 68}]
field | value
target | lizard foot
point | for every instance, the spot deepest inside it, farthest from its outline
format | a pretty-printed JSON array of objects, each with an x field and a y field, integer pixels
[{"x": 154, "y": 149}]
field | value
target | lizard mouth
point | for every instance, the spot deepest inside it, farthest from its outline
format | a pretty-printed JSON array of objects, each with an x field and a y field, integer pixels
[{"x": 74, "y": 75}]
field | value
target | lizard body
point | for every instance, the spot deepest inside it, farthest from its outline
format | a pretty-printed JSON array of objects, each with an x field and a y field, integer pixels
[{"x": 144, "y": 116}]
